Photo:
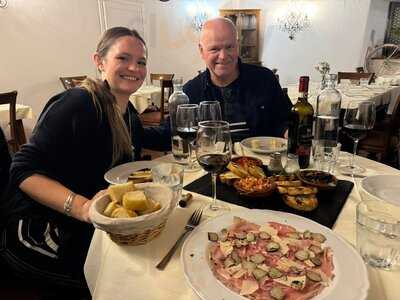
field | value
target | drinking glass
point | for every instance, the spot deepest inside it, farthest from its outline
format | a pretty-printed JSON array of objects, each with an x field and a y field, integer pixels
[
  {"x": 359, "y": 117},
  {"x": 171, "y": 175},
  {"x": 210, "y": 111},
  {"x": 378, "y": 233},
  {"x": 213, "y": 152},
  {"x": 186, "y": 126}
]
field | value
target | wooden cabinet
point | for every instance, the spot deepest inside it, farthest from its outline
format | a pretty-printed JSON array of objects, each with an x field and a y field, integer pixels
[{"x": 247, "y": 22}]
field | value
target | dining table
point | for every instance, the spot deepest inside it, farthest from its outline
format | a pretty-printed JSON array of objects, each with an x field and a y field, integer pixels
[
  {"x": 145, "y": 96},
  {"x": 22, "y": 112},
  {"x": 381, "y": 94},
  {"x": 113, "y": 271}
]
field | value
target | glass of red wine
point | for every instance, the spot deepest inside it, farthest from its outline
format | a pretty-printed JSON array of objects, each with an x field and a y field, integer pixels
[
  {"x": 187, "y": 118},
  {"x": 213, "y": 152},
  {"x": 359, "y": 117}
]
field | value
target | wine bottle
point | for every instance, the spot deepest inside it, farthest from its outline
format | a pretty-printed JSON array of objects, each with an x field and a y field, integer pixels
[{"x": 300, "y": 125}]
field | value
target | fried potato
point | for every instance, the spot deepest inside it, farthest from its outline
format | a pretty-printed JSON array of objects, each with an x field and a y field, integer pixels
[
  {"x": 110, "y": 208},
  {"x": 122, "y": 212},
  {"x": 118, "y": 190},
  {"x": 135, "y": 200},
  {"x": 152, "y": 207}
]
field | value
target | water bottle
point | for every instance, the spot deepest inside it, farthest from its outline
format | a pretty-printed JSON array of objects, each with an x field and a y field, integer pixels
[
  {"x": 180, "y": 148},
  {"x": 328, "y": 113}
]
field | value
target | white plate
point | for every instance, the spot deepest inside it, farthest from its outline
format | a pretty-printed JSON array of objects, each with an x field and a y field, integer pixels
[
  {"x": 382, "y": 187},
  {"x": 119, "y": 174},
  {"x": 350, "y": 282},
  {"x": 265, "y": 144}
]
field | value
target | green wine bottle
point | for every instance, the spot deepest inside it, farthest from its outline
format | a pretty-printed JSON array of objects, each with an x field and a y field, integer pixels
[{"x": 300, "y": 125}]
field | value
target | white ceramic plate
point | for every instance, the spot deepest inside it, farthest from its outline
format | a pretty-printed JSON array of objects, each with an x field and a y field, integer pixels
[
  {"x": 350, "y": 282},
  {"x": 382, "y": 187},
  {"x": 119, "y": 174},
  {"x": 265, "y": 144}
]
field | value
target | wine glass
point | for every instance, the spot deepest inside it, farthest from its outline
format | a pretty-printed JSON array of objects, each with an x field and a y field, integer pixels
[
  {"x": 186, "y": 127},
  {"x": 213, "y": 152},
  {"x": 359, "y": 117},
  {"x": 210, "y": 111}
]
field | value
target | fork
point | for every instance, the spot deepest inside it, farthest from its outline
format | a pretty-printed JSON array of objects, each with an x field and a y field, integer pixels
[{"x": 193, "y": 221}]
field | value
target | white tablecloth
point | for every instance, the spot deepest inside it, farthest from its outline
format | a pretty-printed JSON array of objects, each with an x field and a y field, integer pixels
[
  {"x": 381, "y": 94},
  {"x": 128, "y": 272},
  {"x": 145, "y": 96}
]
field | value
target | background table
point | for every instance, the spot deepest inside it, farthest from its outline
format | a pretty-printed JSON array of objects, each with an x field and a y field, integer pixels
[
  {"x": 128, "y": 272},
  {"x": 145, "y": 96},
  {"x": 22, "y": 112},
  {"x": 380, "y": 94}
]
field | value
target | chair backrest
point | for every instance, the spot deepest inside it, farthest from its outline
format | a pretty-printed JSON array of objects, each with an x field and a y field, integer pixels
[
  {"x": 356, "y": 76},
  {"x": 10, "y": 98},
  {"x": 360, "y": 69},
  {"x": 73, "y": 81},
  {"x": 165, "y": 84}
]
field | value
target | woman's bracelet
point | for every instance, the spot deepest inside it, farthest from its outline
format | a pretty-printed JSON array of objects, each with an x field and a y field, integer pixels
[{"x": 68, "y": 203}]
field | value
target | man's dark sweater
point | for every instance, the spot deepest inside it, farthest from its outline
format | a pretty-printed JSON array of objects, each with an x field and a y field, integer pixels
[{"x": 255, "y": 97}]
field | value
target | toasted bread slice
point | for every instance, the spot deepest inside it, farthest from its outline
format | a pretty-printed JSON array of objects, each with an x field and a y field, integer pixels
[
  {"x": 288, "y": 183},
  {"x": 301, "y": 190},
  {"x": 301, "y": 202}
]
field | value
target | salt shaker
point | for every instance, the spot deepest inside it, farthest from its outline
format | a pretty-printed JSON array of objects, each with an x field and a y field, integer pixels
[{"x": 275, "y": 164}]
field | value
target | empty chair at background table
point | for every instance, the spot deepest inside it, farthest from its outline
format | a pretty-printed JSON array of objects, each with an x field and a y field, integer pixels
[
  {"x": 154, "y": 118},
  {"x": 71, "y": 82},
  {"x": 16, "y": 140}
]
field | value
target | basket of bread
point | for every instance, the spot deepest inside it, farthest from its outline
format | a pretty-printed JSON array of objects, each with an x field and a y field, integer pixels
[{"x": 133, "y": 214}]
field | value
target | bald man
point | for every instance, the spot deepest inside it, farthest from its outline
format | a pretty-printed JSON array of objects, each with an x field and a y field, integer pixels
[{"x": 250, "y": 96}]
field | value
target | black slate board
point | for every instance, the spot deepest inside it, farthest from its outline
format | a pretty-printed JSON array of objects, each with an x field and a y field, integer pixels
[{"x": 330, "y": 202}]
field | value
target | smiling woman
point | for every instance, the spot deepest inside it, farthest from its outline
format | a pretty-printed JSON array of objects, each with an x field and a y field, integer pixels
[{"x": 80, "y": 134}]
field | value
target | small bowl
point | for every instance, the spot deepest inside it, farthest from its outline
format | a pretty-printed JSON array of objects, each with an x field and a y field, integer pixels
[
  {"x": 253, "y": 160},
  {"x": 304, "y": 176}
]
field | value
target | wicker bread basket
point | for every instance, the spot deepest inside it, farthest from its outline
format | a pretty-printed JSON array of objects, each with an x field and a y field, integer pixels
[{"x": 138, "y": 230}]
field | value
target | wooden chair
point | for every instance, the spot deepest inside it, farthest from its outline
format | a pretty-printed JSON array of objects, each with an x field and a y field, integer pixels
[
  {"x": 356, "y": 76},
  {"x": 379, "y": 140},
  {"x": 70, "y": 82},
  {"x": 154, "y": 118},
  {"x": 10, "y": 98}
]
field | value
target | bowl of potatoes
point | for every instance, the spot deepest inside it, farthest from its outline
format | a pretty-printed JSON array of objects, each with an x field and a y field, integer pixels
[{"x": 132, "y": 214}]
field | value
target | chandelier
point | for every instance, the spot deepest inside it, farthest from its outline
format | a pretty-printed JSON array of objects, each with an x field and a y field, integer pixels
[
  {"x": 294, "y": 20},
  {"x": 200, "y": 12}
]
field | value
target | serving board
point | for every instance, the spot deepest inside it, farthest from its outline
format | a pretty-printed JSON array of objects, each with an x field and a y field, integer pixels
[{"x": 330, "y": 202}]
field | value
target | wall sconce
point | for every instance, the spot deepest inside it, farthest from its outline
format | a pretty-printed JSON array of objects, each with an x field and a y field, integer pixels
[
  {"x": 199, "y": 12},
  {"x": 294, "y": 20}
]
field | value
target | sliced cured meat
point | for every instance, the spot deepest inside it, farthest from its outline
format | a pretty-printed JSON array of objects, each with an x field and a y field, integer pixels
[{"x": 266, "y": 261}]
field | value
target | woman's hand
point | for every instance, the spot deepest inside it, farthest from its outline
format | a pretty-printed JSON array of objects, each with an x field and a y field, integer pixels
[{"x": 83, "y": 212}]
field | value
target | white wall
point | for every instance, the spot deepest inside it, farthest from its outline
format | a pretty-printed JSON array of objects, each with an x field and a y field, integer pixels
[{"x": 42, "y": 40}]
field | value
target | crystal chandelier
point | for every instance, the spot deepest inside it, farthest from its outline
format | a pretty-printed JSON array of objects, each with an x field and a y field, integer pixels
[
  {"x": 199, "y": 12},
  {"x": 294, "y": 21}
]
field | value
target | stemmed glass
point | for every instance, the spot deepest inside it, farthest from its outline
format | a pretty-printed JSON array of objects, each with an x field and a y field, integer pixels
[
  {"x": 186, "y": 126},
  {"x": 210, "y": 111},
  {"x": 359, "y": 117},
  {"x": 213, "y": 152}
]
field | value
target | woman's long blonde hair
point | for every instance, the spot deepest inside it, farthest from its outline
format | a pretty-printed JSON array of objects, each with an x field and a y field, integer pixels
[{"x": 105, "y": 101}]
